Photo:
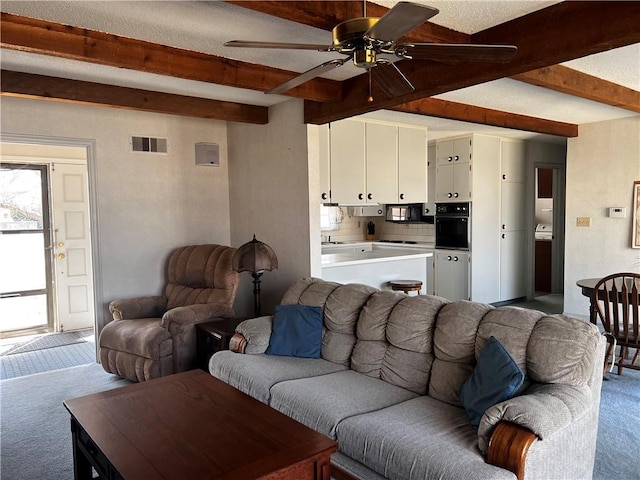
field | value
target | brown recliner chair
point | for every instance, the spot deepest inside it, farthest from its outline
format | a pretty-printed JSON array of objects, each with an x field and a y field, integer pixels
[{"x": 155, "y": 336}]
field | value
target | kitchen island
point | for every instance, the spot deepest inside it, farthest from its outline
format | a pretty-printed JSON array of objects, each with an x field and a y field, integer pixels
[{"x": 379, "y": 265}]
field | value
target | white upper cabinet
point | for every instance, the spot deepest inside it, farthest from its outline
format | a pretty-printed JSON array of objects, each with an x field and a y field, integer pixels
[
  {"x": 412, "y": 165},
  {"x": 376, "y": 163},
  {"x": 348, "y": 173},
  {"x": 325, "y": 163},
  {"x": 381, "y": 163},
  {"x": 453, "y": 170}
]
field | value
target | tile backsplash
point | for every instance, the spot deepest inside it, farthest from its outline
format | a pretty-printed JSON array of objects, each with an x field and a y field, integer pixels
[{"x": 355, "y": 229}]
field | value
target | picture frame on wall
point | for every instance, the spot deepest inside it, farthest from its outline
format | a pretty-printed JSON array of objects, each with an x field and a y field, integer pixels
[{"x": 635, "y": 227}]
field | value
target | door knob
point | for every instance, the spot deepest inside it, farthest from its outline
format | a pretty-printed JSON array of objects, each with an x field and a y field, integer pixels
[{"x": 61, "y": 256}]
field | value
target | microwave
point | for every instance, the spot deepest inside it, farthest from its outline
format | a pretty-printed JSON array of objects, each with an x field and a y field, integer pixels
[{"x": 409, "y": 213}]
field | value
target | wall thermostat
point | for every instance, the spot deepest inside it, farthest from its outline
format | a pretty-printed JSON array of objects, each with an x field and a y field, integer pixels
[
  {"x": 208, "y": 154},
  {"x": 617, "y": 212}
]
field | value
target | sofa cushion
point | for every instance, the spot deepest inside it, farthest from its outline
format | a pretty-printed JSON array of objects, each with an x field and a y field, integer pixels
[
  {"x": 321, "y": 403},
  {"x": 297, "y": 331},
  {"x": 497, "y": 377},
  {"x": 417, "y": 439},
  {"x": 256, "y": 374}
]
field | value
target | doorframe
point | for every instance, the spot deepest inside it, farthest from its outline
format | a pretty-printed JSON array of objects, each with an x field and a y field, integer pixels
[
  {"x": 558, "y": 241},
  {"x": 92, "y": 174}
]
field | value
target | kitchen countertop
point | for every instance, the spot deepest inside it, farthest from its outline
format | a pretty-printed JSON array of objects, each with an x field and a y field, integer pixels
[{"x": 377, "y": 255}]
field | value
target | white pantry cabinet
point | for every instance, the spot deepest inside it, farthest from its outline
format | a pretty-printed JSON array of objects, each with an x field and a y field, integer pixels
[
  {"x": 430, "y": 205},
  {"x": 513, "y": 240}
]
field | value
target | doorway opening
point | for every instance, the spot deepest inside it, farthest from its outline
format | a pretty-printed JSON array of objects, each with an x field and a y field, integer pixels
[
  {"x": 548, "y": 236},
  {"x": 47, "y": 290}
]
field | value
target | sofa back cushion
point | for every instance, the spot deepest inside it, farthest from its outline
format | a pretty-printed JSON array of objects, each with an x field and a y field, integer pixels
[{"x": 429, "y": 345}]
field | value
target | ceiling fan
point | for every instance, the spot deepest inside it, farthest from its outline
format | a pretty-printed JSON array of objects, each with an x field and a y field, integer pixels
[{"x": 363, "y": 40}]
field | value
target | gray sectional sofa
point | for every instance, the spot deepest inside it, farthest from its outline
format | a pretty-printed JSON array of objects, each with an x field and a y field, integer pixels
[{"x": 387, "y": 385}]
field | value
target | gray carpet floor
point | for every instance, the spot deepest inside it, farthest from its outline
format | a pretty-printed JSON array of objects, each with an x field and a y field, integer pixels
[{"x": 36, "y": 439}]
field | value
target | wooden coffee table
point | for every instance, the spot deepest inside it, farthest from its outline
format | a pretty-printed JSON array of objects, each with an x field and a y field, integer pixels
[{"x": 191, "y": 426}]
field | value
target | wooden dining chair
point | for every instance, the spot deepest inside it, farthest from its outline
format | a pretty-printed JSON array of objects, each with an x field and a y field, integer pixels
[{"x": 614, "y": 300}]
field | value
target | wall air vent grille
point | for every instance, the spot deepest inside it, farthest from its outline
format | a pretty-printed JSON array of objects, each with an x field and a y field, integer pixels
[{"x": 149, "y": 144}]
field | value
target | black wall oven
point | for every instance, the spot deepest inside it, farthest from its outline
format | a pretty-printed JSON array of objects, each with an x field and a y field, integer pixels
[{"x": 453, "y": 225}]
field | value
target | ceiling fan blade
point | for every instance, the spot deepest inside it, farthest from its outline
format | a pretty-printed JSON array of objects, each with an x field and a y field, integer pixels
[
  {"x": 287, "y": 46},
  {"x": 308, "y": 75},
  {"x": 451, "y": 53},
  {"x": 390, "y": 79},
  {"x": 402, "y": 18}
]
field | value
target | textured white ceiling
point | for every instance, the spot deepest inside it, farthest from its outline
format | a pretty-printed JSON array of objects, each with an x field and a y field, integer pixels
[{"x": 205, "y": 26}]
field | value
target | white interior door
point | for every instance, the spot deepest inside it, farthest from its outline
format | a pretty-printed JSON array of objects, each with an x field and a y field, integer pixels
[{"x": 72, "y": 247}]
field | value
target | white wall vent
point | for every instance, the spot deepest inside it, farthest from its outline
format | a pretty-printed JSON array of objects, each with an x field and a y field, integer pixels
[
  {"x": 208, "y": 154},
  {"x": 149, "y": 144}
]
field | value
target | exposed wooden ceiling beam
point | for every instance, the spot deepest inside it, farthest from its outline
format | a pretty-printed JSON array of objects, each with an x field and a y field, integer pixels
[
  {"x": 435, "y": 107},
  {"x": 579, "y": 84},
  {"x": 543, "y": 38},
  {"x": 27, "y": 85},
  {"x": 49, "y": 38}
]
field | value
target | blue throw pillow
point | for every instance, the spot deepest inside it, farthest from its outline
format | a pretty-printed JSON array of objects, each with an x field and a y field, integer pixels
[
  {"x": 296, "y": 332},
  {"x": 496, "y": 378}
]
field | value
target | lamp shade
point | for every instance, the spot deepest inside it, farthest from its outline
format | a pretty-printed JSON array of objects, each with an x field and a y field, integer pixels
[{"x": 254, "y": 257}]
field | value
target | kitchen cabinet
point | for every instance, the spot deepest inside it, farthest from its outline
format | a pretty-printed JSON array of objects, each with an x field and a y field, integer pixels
[
  {"x": 430, "y": 205},
  {"x": 325, "y": 163},
  {"x": 513, "y": 244},
  {"x": 348, "y": 174},
  {"x": 381, "y": 163},
  {"x": 452, "y": 274},
  {"x": 453, "y": 170},
  {"x": 376, "y": 163},
  {"x": 412, "y": 165}
]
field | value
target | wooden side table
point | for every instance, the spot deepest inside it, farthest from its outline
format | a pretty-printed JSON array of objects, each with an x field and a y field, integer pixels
[{"x": 213, "y": 336}]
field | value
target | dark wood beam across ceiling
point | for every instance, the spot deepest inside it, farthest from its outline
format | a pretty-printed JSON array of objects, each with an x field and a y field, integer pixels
[
  {"x": 544, "y": 38},
  {"x": 25, "y": 34},
  {"x": 27, "y": 85},
  {"x": 49, "y": 38},
  {"x": 435, "y": 107}
]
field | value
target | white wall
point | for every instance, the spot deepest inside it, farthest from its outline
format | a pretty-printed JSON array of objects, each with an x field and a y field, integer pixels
[
  {"x": 146, "y": 204},
  {"x": 269, "y": 191},
  {"x": 602, "y": 163}
]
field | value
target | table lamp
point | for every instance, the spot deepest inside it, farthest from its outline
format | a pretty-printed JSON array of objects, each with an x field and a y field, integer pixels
[{"x": 255, "y": 257}]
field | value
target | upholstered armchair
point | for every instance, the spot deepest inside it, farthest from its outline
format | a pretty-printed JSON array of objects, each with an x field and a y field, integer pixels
[{"x": 154, "y": 336}]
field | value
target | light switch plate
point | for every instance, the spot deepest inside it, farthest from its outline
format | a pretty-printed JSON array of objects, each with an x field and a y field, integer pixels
[{"x": 583, "y": 221}]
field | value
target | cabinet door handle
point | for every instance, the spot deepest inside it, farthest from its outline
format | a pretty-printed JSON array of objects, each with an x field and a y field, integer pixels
[
  {"x": 449, "y": 159},
  {"x": 324, "y": 196},
  {"x": 360, "y": 196},
  {"x": 503, "y": 235},
  {"x": 455, "y": 259},
  {"x": 402, "y": 196},
  {"x": 449, "y": 195},
  {"x": 370, "y": 197},
  {"x": 456, "y": 158},
  {"x": 449, "y": 258},
  {"x": 456, "y": 195},
  {"x": 426, "y": 210},
  {"x": 504, "y": 226},
  {"x": 504, "y": 177}
]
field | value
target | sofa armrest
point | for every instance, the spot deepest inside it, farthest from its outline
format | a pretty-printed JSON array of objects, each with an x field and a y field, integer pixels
[
  {"x": 192, "y": 314},
  {"x": 138, "y": 307},
  {"x": 252, "y": 336},
  {"x": 544, "y": 409},
  {"x": 509, "y": 446}
]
